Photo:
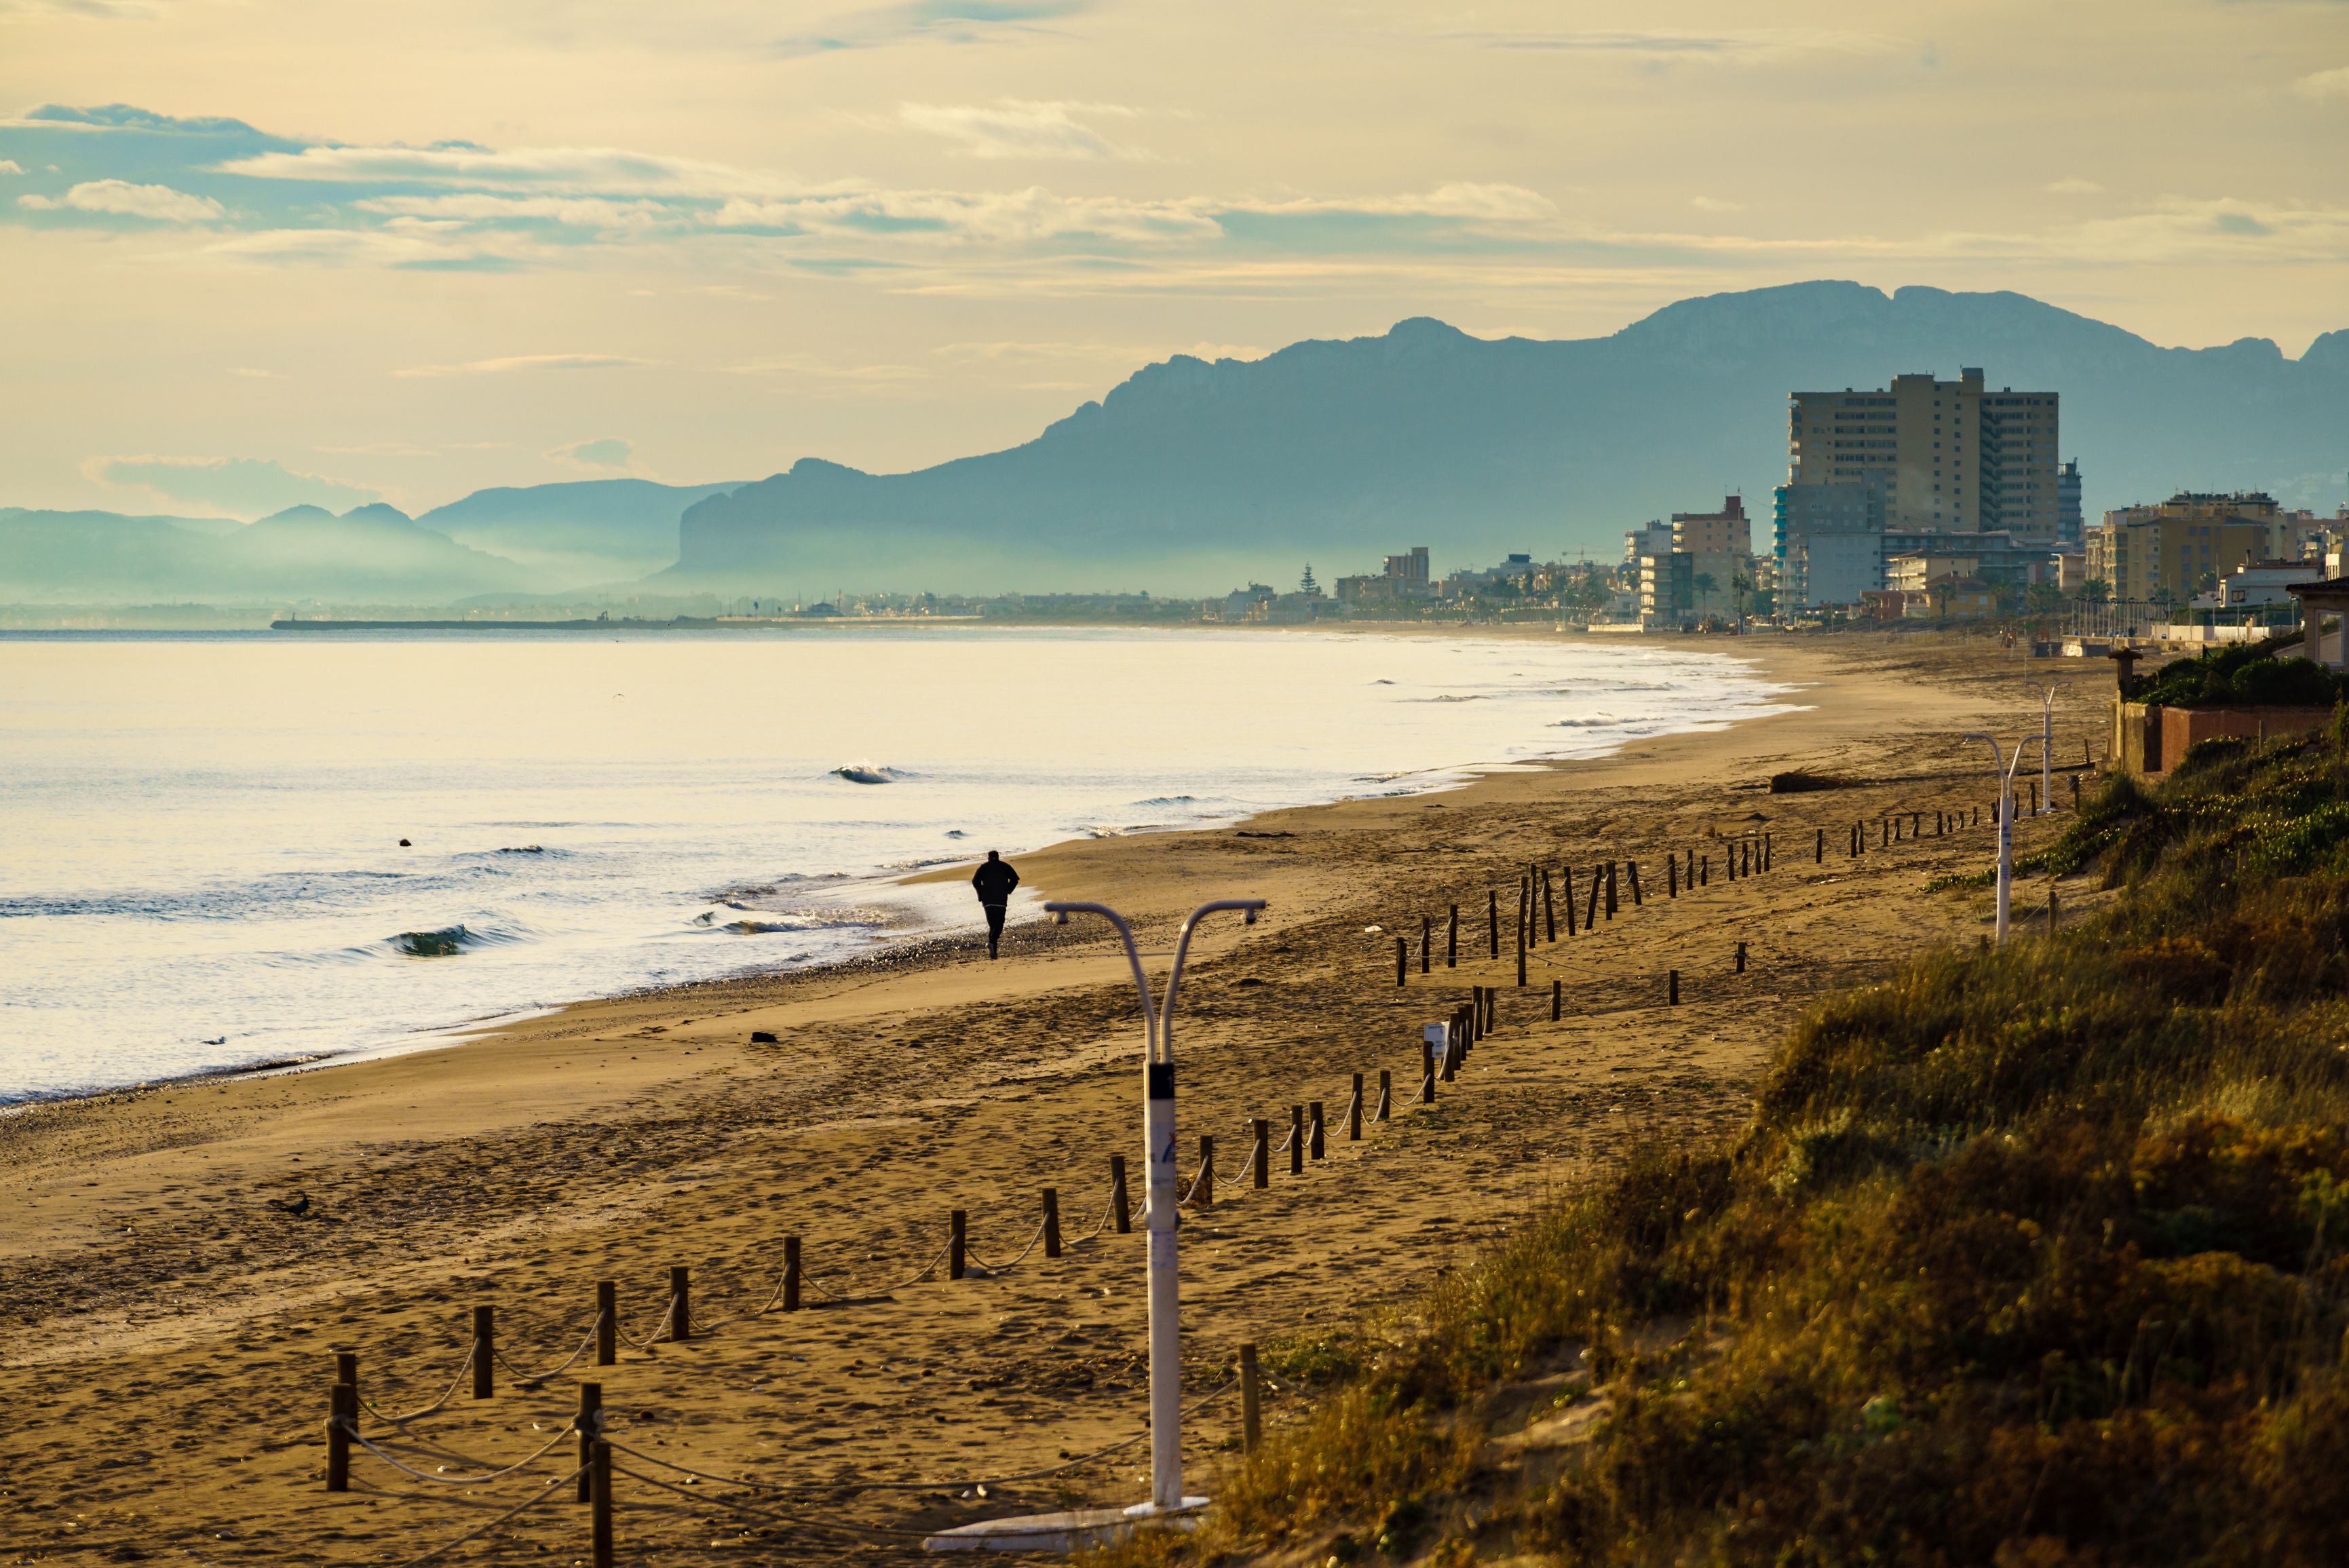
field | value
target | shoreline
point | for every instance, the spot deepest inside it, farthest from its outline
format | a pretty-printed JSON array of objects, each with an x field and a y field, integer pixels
[
  {"x": 915, "y": 926},
  {"x": 616, "y": 1138}
]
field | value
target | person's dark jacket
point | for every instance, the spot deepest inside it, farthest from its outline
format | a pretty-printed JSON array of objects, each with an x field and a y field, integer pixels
[{"x": 995, "y": 880}]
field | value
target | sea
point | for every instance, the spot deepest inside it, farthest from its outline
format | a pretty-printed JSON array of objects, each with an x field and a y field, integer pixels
[{"x": 220, "y": 851}]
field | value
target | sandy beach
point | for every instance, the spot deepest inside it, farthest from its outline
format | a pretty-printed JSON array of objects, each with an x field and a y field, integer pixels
[{"x": 172, "y": 1330}]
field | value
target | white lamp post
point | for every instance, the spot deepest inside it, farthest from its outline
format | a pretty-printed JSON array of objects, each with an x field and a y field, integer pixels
[
  {"x": 2047, "y": 690},
  {"x": 1166, "y": 1495},
  {"x": 2005, "y": 781}
]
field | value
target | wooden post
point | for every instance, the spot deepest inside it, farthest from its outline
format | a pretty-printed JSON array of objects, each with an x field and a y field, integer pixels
[
  {"x": 1524, "y": 916},
  {"x": 1769, "y": 846},
  {"x": 607, "y": 1323},
  {"x": 1729, "y": 862},
  {"x": 1251, "y": 1418},
  {"x": 2051, "y": 912},
  {"x": 1454, "y": 1041},
  {"x": 1565, "y": 875},
  {"x": 1741, "y": 958},
  {"x": 2075, "y": 792},
  {"x": 1820, "y": 854},
  {"x": 1671, "y": 876},
  {"x": 484, "y": 1351},
  {"x": 342, "y": 1415},
  {"x": 1317, "y": 1150},
  {"x": 1354, "y": 1113},
  {"x": 1549, "y": 904},
  {"x": 1557, "y": 1000},
  {"x": 1636, "y": 900},
  {"x": 1386, "y": 1095},
  {"x": 1205, "y": 1197},
  {"x": 1052, "y": 1219},
  {"x": 1590, "y": 913},
  {"x": 1402, "y": 960},
  {"x": 959, "y": 1234},
  {"x": 1296, "y": 1141},
  {"x": 1704, "y": 872},
  {"x": 599, "y": 1513},
  {"x": 1914, "y": 818},
  {"x": 1610, "y": 889},
  {"x": 1452, "y": 941},
  {"x": 1121, "y": 1210},
  {"x": 1492, "y": 921},
  {"x": 590, "y": 1424},
  {"x": 1673, "y": 987},
  {"x": 1426, "y": 942},
  {"x": 1263, "y": 1160},
  {"x": 1426, "y": 1070},
  {"x": 793, "y": 1276}
]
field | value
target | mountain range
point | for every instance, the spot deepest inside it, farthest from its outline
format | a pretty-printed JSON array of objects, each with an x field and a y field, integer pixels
[
  {"x": 1192, "y": 476},
  {"x": 494, "y": 543}
]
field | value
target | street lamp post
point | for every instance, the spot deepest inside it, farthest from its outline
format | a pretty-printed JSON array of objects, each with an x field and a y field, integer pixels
[
  {"x": 2005, "y": 782},
  {"x": 2047, "y": 690},
  {"x": 1166, "y": 1495}
]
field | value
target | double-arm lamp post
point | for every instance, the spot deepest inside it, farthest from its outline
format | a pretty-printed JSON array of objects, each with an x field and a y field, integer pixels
[{"x": 1166, "y": 1495}]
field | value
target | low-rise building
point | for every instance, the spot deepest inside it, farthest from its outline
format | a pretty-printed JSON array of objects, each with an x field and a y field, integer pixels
[{"x": 2170, "y": 550}]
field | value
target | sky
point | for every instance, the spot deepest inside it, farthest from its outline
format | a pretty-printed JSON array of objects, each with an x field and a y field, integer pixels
[{"x": 261, "y": 252}]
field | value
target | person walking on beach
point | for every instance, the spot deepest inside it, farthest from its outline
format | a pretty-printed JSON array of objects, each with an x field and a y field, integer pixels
[{"x": 995, "y": 879}]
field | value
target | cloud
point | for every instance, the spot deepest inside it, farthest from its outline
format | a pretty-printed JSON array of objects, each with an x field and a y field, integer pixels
[
  {"x": 1017, "y": 129},
  {"x": 2072, "y": 186},
  {"x": 1737, "y": 46},
  {"x": 942, "y": 21},
  {"x": 159, "y": 203},
  {"x": 460, "y": 206},
  {"x": 604, "y": 452},
  {"x": 529, "y": 362},
  {"x": 1715, "y": 205},
  {"x": 2319, "y": 84},
  {"x": 238, "y": 487},
  {"x": 10, "y": 166},
  {"x": 809, "y": 365}
]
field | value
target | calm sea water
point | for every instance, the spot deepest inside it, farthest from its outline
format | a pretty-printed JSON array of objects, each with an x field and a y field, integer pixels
[{"x": 201, "y": 863}]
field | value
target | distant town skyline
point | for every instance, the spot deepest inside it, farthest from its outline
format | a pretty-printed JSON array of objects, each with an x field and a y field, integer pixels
[{"x": 283, "y": 252}]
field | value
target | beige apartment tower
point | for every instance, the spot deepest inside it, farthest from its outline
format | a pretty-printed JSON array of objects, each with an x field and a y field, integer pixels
[{"x": 1953, "y": 455}]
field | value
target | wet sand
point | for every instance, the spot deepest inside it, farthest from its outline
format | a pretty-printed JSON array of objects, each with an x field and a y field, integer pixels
[{"x": 170, "y": 1333}]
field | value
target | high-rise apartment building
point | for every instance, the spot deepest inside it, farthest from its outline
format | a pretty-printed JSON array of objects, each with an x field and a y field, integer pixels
[
  {"x": 1951, "y": 455},
  {"x": 2068, "y": 521}
]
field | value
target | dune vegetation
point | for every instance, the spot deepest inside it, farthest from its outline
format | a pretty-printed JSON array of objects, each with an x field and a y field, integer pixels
[{"x": 2033, "y": 1257}]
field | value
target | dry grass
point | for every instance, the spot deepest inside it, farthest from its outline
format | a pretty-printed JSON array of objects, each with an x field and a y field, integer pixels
[{"x": 2033, "y": 1257}]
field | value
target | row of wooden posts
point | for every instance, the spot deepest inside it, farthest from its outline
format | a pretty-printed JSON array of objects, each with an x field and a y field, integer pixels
[
  {"x": 1307, "y": 1139},
  {"x": 1537, "y": 905},
  {"x": 593, "y": 1482}
]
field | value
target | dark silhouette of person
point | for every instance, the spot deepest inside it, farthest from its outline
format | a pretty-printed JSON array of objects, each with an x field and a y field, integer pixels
[{"x": 995, "y": 879}]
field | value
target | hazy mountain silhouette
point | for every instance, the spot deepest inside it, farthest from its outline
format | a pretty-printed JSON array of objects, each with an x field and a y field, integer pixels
[
  {"x": 1190, "y": 474},
  {"x": 371, "y": 552},
  {"x": 587, "y": 530}
]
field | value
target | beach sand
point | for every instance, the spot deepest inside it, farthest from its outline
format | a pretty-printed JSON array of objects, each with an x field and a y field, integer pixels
[{"x": 170, "y": 1335}]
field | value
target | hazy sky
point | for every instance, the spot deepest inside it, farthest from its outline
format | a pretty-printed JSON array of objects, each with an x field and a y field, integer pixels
[{"x": 261, "y": 250}]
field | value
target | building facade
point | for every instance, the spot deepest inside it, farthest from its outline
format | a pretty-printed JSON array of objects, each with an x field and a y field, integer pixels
[
  {"x": 2172, "y": 550},
  {"x": 2068, "y": 521},
  {"x": 1826, "y": 543},
  {"x": 1725, "y": 532},
  {"x": 1951, "y": 454}
]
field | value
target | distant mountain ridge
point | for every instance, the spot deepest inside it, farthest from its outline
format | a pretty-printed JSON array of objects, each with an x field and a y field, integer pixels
[
  {"x": 554, "y": 536},
  {"x": 586, "y": 531},
  {"x": 1191, "y": 474}
]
